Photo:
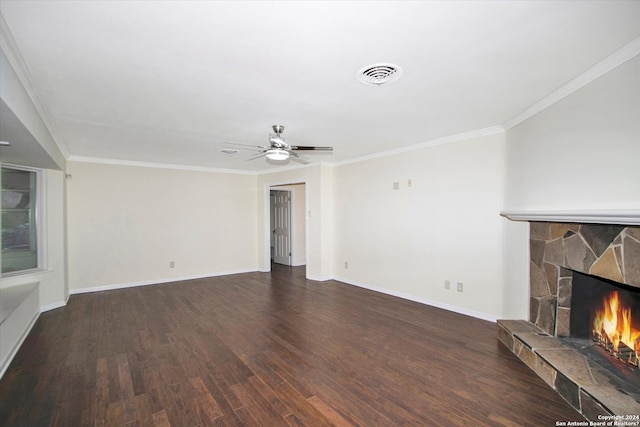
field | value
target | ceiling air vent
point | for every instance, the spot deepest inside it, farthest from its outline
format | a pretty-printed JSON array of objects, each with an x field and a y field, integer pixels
[
  {"x": 229, "y": 151},
  {"x": 379, "y": 74}
]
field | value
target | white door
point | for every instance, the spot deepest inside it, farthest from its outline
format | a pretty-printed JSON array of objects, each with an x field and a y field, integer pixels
[{"x": 281, "y": 226}]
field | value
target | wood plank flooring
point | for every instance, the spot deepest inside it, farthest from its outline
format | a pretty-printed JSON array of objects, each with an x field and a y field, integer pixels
[{"x": 267, "y": 349}]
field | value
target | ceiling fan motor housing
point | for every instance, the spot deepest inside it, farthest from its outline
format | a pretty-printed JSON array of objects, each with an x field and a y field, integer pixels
[{"x": 277, "y": 141}]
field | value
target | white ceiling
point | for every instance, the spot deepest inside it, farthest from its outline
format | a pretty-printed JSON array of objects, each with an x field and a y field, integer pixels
[{"x": 173, "y": 82}]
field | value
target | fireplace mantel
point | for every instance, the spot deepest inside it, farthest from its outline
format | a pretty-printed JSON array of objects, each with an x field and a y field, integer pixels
[{"x": 596, "y": 216}]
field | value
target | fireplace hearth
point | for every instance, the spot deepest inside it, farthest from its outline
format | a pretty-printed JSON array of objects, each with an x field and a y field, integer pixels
[{"x": 559, "y": 341}]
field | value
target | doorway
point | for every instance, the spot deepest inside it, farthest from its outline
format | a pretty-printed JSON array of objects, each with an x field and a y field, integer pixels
[
  {"x": 280, "y": 226},
  {"x": 287, "y": 224}
]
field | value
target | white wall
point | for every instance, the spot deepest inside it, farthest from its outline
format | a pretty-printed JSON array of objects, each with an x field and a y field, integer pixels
[
  {"x": 515, "y": 265},
  {"x": 583, "y": 151},
  {"x": 127, "y": 223},
  {"x": 445, "y": 226},
  {"x": 580, "y": 153},
  {"x": 299, "y": 217}
]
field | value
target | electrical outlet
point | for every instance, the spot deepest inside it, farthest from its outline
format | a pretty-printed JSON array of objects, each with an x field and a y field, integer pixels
[
  {"x": 447, "y": 284},
  {"x": 459, "y": 286},
  {"x": 172, "y": 264},
  {"x": 396, "y": 185},
  {"x": 346, "y": 264},
  {"x": 409, "y": 182}
]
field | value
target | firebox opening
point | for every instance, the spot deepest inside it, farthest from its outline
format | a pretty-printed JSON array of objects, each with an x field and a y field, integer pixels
[
  {"x": 605, "y": 323},
  {"x": 606, "y": 312},
  {"x": 591, "y": 294}
]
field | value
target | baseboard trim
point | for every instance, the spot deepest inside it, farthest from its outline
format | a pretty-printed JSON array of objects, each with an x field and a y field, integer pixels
[
  {"x": 55, "y": 305},
  {"x": 318, "y": 278},
  {"x": 154, "y": 282},
  {"x": 437, "y": 304}
]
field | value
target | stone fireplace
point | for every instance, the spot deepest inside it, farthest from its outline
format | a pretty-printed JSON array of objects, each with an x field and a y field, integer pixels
[{"x": 560, "y": 251}]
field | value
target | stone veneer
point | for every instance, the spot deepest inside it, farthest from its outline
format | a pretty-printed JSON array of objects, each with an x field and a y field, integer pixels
[{"x": 557, "y": 250}]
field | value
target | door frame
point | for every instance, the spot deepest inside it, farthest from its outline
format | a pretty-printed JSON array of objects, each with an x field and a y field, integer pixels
[{"x": 266, "y": 237}]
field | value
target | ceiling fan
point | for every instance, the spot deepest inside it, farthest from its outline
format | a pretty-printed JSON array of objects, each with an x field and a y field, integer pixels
[{"x": 279, "y": 149}]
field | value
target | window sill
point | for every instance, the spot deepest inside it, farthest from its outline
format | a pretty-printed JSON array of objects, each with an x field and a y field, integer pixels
[{"x": 22, "y": 273}]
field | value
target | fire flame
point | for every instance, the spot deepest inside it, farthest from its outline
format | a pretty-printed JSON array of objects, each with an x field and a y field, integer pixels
[{"x": 613, "y": 322}]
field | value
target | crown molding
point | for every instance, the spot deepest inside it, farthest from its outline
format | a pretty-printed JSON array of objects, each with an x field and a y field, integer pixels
[
  {"x": 291, "y": 168},
  {"x": 105, "y": 161},
  {"x": 491, "y": 130}
]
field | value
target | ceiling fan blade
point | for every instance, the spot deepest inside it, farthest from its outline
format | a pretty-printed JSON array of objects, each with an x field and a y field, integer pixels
[
  {"x": 257, "y": 156},
  {"x": 310, "y": 148},
  {"x": 298, "y": 158},
  {"x": 246, "y": 146}
]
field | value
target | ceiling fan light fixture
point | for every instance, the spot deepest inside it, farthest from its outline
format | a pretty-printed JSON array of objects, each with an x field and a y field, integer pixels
[{"x": 277, "y": 154}]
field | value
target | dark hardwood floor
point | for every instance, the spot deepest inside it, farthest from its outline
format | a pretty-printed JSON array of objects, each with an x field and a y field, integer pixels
[{"x": 262, "y": 349}]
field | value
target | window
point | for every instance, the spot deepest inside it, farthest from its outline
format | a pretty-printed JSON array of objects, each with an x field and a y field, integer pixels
[{"x": 20, "y": 229}]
